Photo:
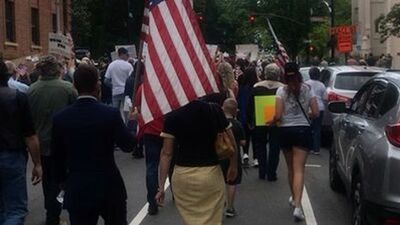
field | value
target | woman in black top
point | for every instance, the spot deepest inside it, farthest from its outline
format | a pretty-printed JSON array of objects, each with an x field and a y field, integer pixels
[{"x": 197, "y": 180}]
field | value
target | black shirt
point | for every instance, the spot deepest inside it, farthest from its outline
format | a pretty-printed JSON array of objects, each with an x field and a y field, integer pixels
[
  {"x": 15, "y": 119},
  {"x": 195, "y": 127}
]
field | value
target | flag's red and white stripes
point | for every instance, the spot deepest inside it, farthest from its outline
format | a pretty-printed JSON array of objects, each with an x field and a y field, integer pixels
[
  {"x": 178, "y": 67},
  {"x": 281, "y": 57}
]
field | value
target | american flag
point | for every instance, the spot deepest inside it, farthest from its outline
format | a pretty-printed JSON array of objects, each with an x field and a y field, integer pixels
[
  {"x": 178, "y": 67},
  {"x": 281, "y": 55}
]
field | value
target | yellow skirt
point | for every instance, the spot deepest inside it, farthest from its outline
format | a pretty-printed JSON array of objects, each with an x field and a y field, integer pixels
[{"x": 199, "y": 194}]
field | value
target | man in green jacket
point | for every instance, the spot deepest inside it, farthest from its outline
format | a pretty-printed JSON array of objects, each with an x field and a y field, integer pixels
[{"x": 47, "y": 96}]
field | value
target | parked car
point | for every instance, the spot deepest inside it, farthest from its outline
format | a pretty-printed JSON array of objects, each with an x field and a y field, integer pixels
[
  {"x": 365, "y": 154},
  {"x": 342, "y": 83}
]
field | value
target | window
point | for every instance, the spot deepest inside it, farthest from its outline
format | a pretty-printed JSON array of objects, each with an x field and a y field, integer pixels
[
  {"x": 54, "y": 23},
  {"x": 10, "y": 21},
  {"x": 390, "y": 100},
  {"x": 65, "y": 15},
  {"x": 359, "y": 100},
  {"x": 35, "y": 26},
  {"x": 352, "y": 81},
  {"x": 374, "y": 101}
]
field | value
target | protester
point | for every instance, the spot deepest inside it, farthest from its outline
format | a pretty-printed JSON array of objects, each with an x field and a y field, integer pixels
[
  {"x": 106, "y": 91},
  {"x": 268, "y": 160},
  {"x": 292, "y": 105},
  {"x": 46, "y": 97},
  {"x": 389, "y": 61},
  {"x": 382, "y": 62},
  {"x": 84, "y": 136},
  {"x": 351, "y": 61},
  {"x": 152, "y": 142},
  {"x": 117, "y": 72},
  {"x": 197, "y": 181},
  {"x": 319, "y": 89},
  {"x": 371, "y": 60},
  {"x": 248, "y": 79},
  {"x": 229, "y": 83},
  {"x": 13, "y": 82},
  {"x": 230, "y": 109},
  {"x": 133, "y": 124},
  {"x": 17, "y": 134}
]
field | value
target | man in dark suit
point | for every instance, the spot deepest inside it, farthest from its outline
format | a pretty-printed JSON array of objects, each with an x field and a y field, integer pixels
[{"x": 84, "y": 136}]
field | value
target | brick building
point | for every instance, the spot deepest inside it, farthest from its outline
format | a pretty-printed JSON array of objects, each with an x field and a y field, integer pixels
[{"x": 25, "y": 25}]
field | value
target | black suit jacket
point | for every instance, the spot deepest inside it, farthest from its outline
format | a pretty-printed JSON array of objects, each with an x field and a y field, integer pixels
[{"x": 84, "y": 136}]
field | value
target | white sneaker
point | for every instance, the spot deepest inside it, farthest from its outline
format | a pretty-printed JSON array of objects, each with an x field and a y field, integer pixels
[
  {"x": 245, "y": 156},
  {"x": 255, "y": 162},
  {"x": 298, "y": 214},
  {"x": 291, "y": 202}
]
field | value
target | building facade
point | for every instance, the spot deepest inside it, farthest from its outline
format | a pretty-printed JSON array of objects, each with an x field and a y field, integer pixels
[
  {"x": 365, "y": 13},
  {"x": 25, "y": 25}
]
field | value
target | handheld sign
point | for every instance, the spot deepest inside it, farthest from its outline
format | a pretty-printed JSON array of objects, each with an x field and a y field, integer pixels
[{"x": 264, "y": 109}]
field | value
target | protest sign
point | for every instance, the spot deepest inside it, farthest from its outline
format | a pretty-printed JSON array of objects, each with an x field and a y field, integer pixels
[
  {"x": 60, "y": 45},
  {"x": 131, "y": 49},
  {"x": 264, "y": 108},
  {"x": 250, "y": 51}
]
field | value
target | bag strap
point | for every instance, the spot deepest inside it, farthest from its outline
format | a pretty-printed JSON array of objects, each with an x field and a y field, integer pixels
[{"x": 304, "y": 112}]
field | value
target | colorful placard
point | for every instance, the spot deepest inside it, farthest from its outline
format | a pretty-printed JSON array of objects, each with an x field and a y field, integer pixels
[{"x": 264, "y": 108}]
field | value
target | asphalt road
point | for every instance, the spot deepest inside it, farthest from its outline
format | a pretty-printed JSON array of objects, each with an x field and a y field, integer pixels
[{"x": 258, "y": 202}]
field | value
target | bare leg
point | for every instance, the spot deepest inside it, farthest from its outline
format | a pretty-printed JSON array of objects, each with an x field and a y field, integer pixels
[
  {"x": 299, "y": 162},
  {"x": 289, "y": 162},
  {"x": 231, "y": 193}
]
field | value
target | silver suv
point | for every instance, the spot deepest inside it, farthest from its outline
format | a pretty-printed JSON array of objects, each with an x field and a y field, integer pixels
[
  {"x": 342, "y": 83},
  {"x": 365, "y": 154}
]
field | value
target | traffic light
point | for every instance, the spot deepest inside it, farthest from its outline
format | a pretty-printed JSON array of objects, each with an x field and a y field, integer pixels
[
  {"x": 311, "y": 48},
  {"x": 200, "y": 17},
  {"x": 252, "y": 19}
]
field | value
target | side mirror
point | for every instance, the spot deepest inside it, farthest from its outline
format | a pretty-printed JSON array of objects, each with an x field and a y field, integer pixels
[{"x": 337, "y": 107}]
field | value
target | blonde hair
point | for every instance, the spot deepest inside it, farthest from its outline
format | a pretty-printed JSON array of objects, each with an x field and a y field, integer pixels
[{"x": 225, "y": 71}]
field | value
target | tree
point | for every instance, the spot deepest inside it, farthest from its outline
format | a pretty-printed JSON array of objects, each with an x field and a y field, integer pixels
[
  {"x": 389, "y": 25},
  {"x": 101, "y": 24}
]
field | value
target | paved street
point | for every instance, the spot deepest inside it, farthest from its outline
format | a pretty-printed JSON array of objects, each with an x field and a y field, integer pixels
[{"x": 258, "y": 202}]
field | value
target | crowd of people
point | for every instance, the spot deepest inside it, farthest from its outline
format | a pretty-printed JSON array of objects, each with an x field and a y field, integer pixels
[{"x": 71, "y": 118}]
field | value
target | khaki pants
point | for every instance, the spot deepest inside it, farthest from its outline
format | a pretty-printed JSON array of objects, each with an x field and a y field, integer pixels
[{"x": 199, "y": 194}]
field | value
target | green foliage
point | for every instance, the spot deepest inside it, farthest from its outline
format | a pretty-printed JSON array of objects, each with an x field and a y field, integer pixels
[
  {"x": 101, "y": 24},
  {"x": 389, "y": 25}
]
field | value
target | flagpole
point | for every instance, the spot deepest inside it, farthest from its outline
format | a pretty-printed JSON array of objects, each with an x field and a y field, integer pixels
[{"x": 271, "y": 29}]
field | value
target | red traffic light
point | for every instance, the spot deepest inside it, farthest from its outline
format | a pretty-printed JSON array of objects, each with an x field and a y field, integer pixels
[{"x": 252, "y": 18}]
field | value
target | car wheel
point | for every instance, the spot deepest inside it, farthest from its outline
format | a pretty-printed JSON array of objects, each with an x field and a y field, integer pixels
[
  {"x": 358, "y": 201},
  {"x": 334, "y": 177}
]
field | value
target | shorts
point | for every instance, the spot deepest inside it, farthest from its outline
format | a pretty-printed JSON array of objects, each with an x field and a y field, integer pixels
[
  {"x": 290, "y": 137},
  {"x": 225, "y": 166}
]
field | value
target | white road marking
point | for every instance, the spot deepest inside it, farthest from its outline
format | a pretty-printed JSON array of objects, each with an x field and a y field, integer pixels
[
  {"x": 313, "y": 166},
  {"x": 305, "y": 202},
  {"x": 143, "y": 212},
  {"x": 308, "y": 210}
]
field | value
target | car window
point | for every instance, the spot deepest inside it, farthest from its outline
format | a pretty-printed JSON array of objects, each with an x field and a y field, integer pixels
[
  {"x": 390, "y": 99},
  {"x": 374, "y": 101},
  {"x": 358, "y": 102},
  {"x": 352, "y": 81},
  {"x": 325, "y": 77}
]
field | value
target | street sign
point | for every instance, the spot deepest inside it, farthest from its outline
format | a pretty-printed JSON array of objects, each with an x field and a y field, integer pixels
[{"x": 344, "y": 37}]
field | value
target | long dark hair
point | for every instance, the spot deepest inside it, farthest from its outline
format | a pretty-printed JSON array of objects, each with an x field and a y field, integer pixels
[{"x": 293, "y": 79}]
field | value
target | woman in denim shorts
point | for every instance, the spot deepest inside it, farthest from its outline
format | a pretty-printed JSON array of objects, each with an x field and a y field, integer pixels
[{"x": 295, "y": 104}]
